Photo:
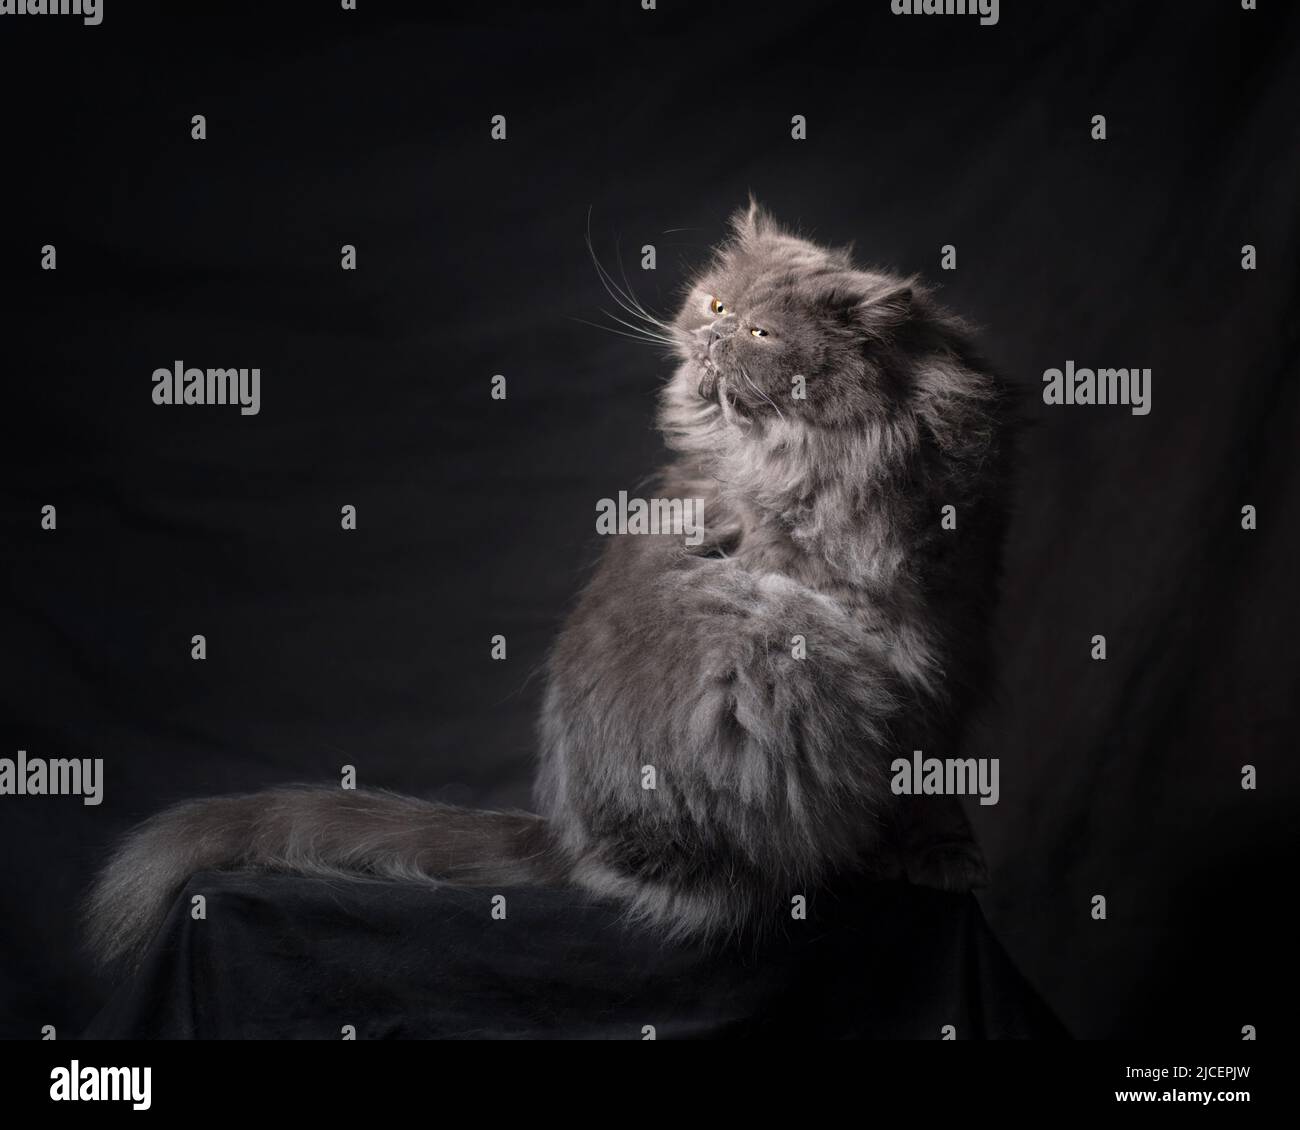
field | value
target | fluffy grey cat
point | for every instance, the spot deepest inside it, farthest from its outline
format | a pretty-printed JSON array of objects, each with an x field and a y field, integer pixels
[{"x": 826, "y": 624}]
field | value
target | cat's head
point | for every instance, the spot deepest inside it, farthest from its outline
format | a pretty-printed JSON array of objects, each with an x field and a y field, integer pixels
[{"x": 776, "y": 326}]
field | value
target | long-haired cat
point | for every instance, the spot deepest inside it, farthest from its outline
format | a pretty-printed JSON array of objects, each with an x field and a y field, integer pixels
[{"x": 829, "y": 621}]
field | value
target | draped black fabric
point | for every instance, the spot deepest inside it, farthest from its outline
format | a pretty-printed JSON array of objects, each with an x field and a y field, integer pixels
[{"x": 278, "y": 957}]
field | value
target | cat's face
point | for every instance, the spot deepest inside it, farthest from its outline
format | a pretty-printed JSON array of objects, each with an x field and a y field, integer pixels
[{"x": 778, "y": 326}]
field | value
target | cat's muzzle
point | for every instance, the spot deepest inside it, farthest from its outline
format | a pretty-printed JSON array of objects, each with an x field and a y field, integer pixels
[{"x": 708, "y": 386}]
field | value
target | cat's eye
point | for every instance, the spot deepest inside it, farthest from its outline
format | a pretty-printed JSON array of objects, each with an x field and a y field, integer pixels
[
  {"x": 758, "y": 332},
  {"x": 717, "y": 306}
]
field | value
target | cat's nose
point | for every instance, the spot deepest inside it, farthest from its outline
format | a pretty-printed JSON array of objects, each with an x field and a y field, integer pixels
[{"x": 723, "y": 327}]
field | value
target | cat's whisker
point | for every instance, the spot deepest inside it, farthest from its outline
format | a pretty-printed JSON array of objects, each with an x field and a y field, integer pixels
[
  {"x": 626, "y": 300},
  {"x": 616, "y": 332},
  {"x": 621, "y": 333},
  {"x": 649, "y": 334},
  {"x": 745, "y": 373},
  {"x": 607, "y": 280},
  {"x": 729, "y": 412},
  {"x": 631, "y": 294}
]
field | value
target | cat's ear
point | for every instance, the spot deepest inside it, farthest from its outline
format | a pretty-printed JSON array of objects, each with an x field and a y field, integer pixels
[
  {"x": 752, "y": 220},
  {"x": 891, "y": 304},
  {"x": 872, "y": 306},
  {"x": 882, "y": 309}
]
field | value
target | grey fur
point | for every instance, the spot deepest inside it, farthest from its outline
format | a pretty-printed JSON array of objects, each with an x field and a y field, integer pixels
[{"x": 823, "y": 521}]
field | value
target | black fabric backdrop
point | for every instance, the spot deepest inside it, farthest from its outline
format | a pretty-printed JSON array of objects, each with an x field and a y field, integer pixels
[
  {"x": 290, "y": 958},
  {"x": 476, "y": 517}
]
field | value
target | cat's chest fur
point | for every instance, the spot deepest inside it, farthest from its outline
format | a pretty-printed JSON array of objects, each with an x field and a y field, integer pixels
[{"x": 847, "y": 557}]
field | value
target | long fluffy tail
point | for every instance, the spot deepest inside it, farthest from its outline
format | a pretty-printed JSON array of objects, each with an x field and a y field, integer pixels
[{"x": 307, "y": 831}]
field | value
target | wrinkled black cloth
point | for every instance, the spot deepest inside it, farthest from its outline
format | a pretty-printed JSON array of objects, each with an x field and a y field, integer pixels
[{"x": 280, "y": 957}]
